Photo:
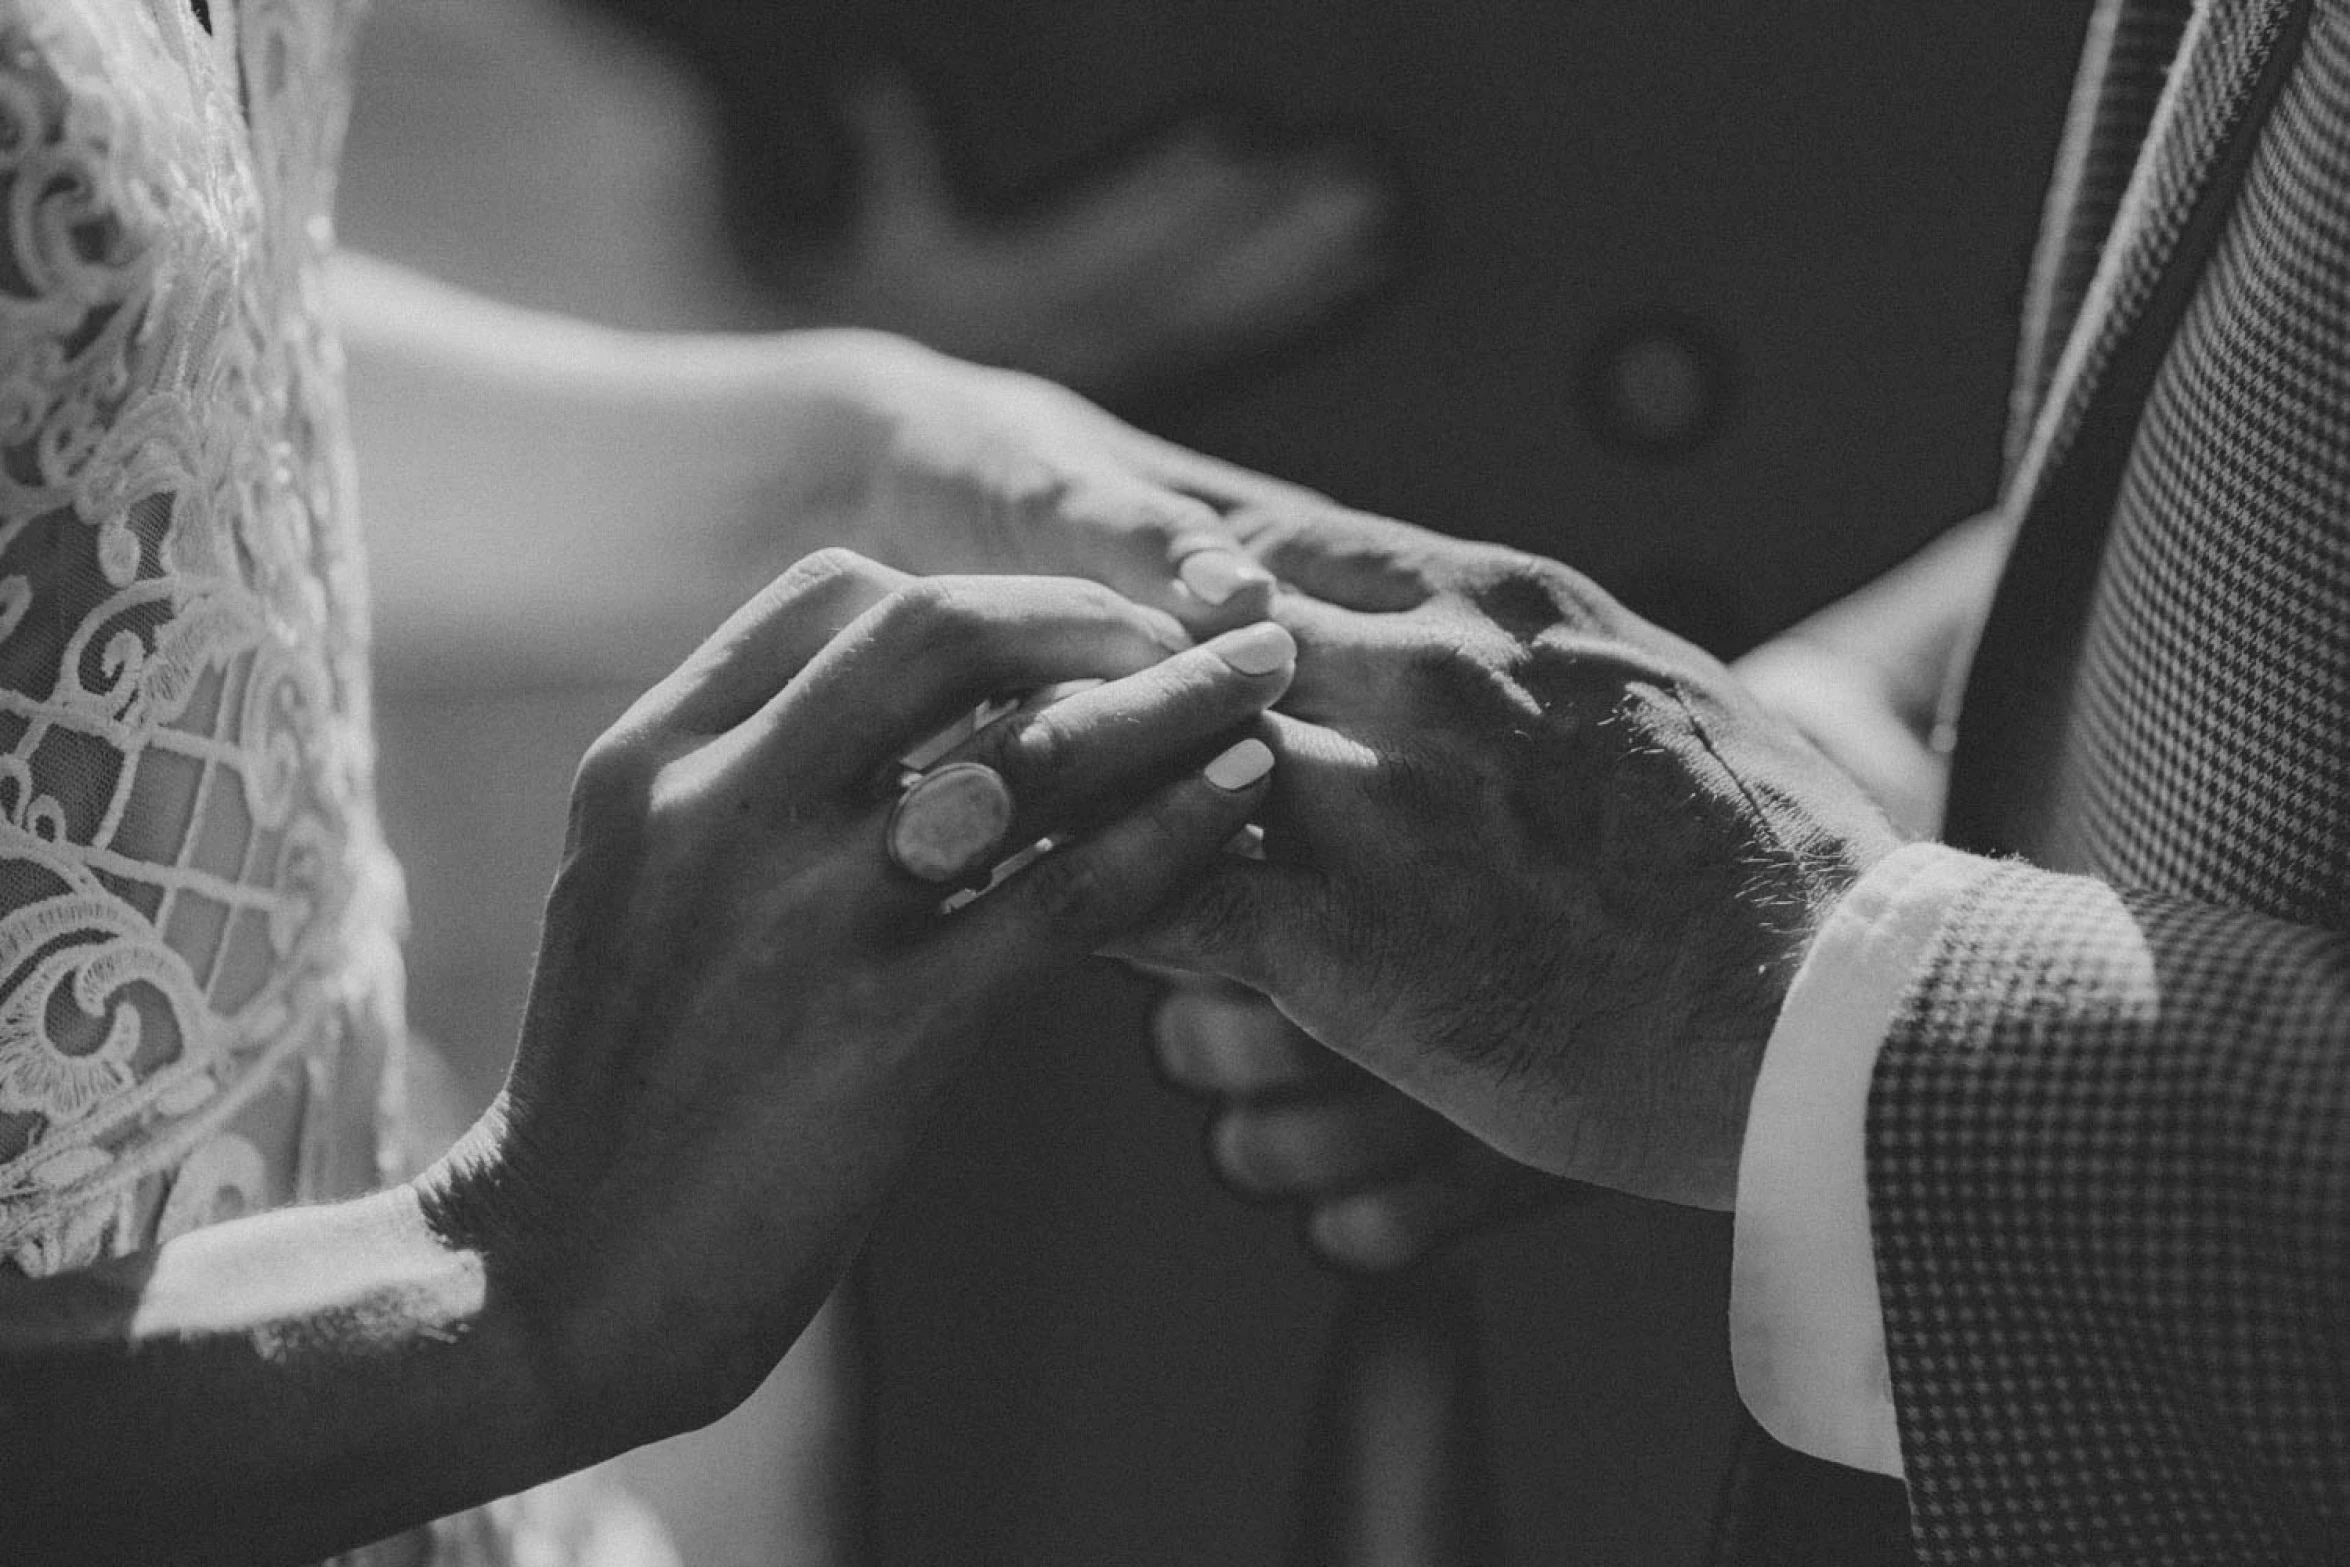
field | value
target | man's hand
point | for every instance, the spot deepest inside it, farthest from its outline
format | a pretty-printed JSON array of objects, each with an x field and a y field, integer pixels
[
  {"x": 1535, "y": 861},
  {"x": 1379, "y": 1180}
]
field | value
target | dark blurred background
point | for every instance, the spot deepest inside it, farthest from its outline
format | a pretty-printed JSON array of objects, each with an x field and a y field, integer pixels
[{"x": 1713, "y": 301}]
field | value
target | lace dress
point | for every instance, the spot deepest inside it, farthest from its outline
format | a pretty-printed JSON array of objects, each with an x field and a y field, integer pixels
[{"x": 199, "y": 965}]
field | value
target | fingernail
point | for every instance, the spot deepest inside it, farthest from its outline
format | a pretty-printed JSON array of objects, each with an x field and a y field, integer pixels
[
  {"x": 1260, "y": 649},
  {"x": 1239, "y": 767},
  {"x": 1215, "y": 575},
  {"x": 1165, "y": 629}
]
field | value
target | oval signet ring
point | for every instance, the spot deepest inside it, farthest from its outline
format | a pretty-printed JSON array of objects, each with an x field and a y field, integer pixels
[{"x": 948, "y": 821}]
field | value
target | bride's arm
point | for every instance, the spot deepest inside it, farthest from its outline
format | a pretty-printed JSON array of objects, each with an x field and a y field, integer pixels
[
  {"x": 272, "y": 1389},
  {"x": 540, "y": 484},
  {"x": 742, "y": 1015},
  {"x": 543, "y": 487}
]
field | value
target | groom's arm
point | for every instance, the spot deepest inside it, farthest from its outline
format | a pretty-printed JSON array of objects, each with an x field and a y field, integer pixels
[
  {"x": 2090, "y": 1151},
  {"x": 2109, "y": 1181}
]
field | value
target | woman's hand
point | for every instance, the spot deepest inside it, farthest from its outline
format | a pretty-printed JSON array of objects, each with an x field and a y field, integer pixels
[
  {"x": 989, "y": 470},
  {"x": 1379, "y": 1181},
  {"x": 743, "y": 1009},
  {"x": 1846, "y": 705},
  {"x": 662, "y": 469}
]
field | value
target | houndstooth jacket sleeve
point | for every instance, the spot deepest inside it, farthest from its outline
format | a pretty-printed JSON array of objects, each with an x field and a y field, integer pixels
[
  {"x": 2108, "y": 1137},
  {"x": 2109, "y": 1142},
  {"x": 2109, "y": 1129}
]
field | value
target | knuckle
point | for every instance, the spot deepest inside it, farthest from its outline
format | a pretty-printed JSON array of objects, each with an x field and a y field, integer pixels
[
  {"x": 940, "y": 620},
  {"x": 829, "y": 569},
  {"x": 1031, "y": 751},
  {"x": 1527, "y": 596},
  {"x": 614, "y": 776},
  {"x": 925, "y": 611},
  {"x": 1068, "y": 889},
  {"x": 833, "y": 580}
]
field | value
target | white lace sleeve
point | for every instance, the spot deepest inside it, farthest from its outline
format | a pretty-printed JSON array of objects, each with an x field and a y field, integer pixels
[
  {"x": 199, "y": 969},
  {"x": 198, "y": 980}
]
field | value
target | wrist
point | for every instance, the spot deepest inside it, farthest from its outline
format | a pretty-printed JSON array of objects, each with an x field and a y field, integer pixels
[
  {"x": 482, "y": 1201},
  {"x": 785, "y": 428},
  {"x": 621, "y": 1340},
  {"x": 842, "y": 395}
]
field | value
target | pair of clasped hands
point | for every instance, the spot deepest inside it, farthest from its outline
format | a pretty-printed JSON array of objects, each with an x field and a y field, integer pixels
[{"x": 1538, "y": 865}]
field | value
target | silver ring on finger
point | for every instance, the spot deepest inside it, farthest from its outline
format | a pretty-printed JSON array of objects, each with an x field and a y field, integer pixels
[{"x": 947, "y": 822}]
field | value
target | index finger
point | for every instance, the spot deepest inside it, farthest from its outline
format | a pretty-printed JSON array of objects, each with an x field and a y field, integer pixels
[
  {"x": 740, "y": 666},
  {"x": 1351, "y": 558},
  {"x": 938, "y": 646},
  {"x": 1066, "y": 904}
]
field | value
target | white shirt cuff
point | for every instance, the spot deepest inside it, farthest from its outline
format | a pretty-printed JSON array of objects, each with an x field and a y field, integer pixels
[{"x": 1807, "y": 1330}]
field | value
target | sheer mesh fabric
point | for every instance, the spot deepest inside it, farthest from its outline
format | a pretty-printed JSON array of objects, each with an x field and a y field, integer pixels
[
  {"x": 199, "y": 972},
  {"x": 198, "y": 979}
]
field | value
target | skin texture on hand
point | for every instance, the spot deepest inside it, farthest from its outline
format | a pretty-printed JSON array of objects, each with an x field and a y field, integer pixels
[
  {"x": 1843, "y": 707},
  {"x": 740, "y": 1016},
  {"x": 743, "y": 1009},
  {"x": 1868, "y": 679},
  {"x": 677, "y": 466},
  {"x": 1537, "y": 862},
  {"x": 988, "y": 470}
]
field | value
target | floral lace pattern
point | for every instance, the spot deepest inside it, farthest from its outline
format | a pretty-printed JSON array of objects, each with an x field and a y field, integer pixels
[
  {"x": 199, "y": 958},
  {"x": 199, "y": 969}
]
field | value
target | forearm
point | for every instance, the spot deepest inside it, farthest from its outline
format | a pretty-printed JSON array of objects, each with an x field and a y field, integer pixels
[
  {"x": 546, "y": 486},
  {"x": 1866, "y": 679},
  {"x": 1910, "y": 625},
  {"x": 272, "y": 1389}
]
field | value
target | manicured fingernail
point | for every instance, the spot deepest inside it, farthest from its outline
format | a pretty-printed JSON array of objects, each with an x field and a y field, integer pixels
[
  {"x": 1239, "y": 767},
  {"x": 1165, "y": 629},
  {"x": 1257, "y": 650},
  {"x": 1215, "y": 575}
]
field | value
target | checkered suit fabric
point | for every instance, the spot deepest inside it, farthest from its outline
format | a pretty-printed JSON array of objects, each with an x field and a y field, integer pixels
[
  {"x": 2111, "y": 1188},
  {"x": 2109, "y": 1139}
]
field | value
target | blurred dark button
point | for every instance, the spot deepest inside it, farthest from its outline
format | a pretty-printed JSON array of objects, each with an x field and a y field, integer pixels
[{"x": 1657, "y": 388}]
